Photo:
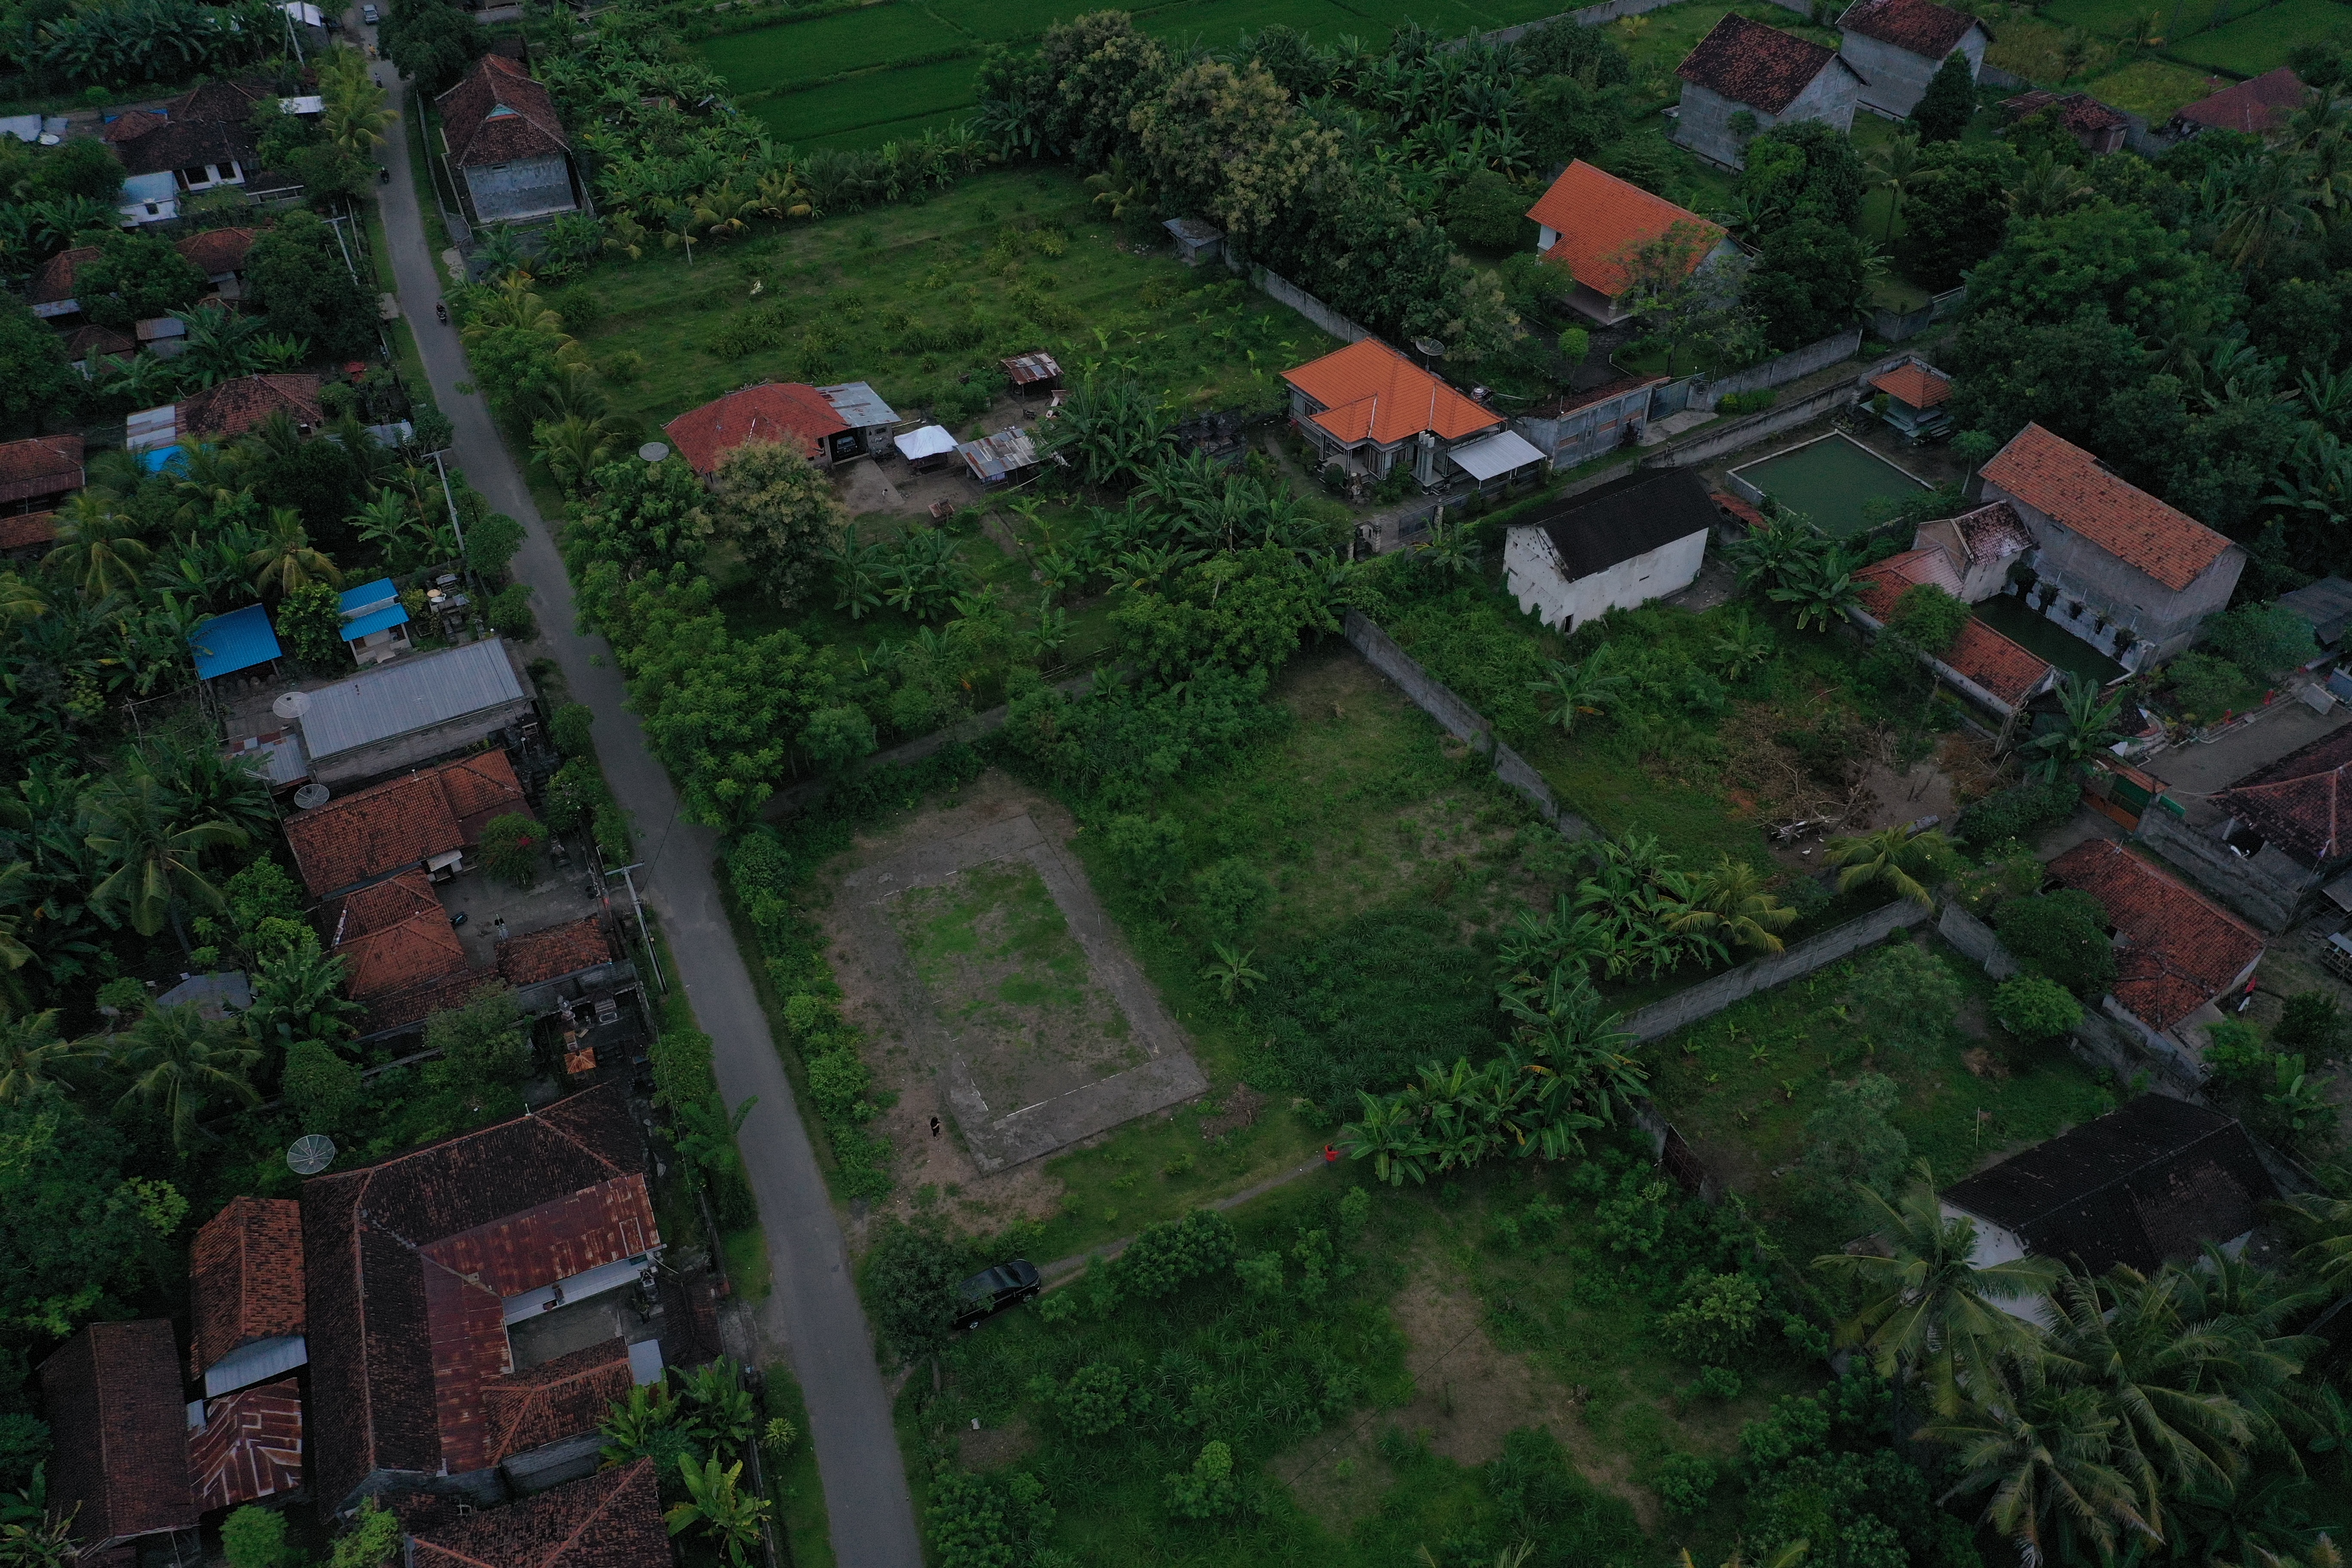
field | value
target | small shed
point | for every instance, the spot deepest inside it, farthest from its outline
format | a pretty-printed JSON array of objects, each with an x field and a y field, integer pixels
[
  {"x": 1498, "y": 461},
  {"x": 2094, "y": 127},
  {"x": 1195, "y": 241},
  {"x": 1031, "y": 373},
  {"x": 870, "y": 420},
  {"x": 240, "y": 640},
  {"x": 375, "y": 623},
  {"x": 1006, "y": 456},
  {"x": 27, "y": 534},
  {"x": 925, "y": 448},
  {"x": 1916, "y": 395}
]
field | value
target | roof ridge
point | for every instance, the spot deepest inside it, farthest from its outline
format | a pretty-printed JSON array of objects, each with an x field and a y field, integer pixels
[
  {"x": 603, "y": 1502},
  {"x": 2136, "y": 1169}
]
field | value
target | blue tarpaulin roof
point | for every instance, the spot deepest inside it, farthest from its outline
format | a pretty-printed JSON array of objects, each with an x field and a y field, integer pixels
[
  {"x": 238, "y": 640},
  {"x": 372, "y": 607}
]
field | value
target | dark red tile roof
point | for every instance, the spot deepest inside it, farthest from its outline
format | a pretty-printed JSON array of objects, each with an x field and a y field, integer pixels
[
  {"x": 204, "y": 125},
  {"x": 2175, "y": 951},
  {"x": 2079, "y": 112},
  {"x": 218, "y": 250},
  {"x": 787, "y": 412},
  {"x": 556, "y": 1399},
  {"x": 2067, "y": 484},
  {"x": 398, "y": 1010},
  {"x": 234, "y": 407},
  {"x": 131, "y": 124},
  {"x": 610, "y": 1519},
  {"x": 1919, "y": 27},
  {"x": 91, "y": 339},
  {"x": 397, "y": 825},
  {"x": 497, "y": 113},
  {"x": 419, "y": 951},
  {"x": 245, "y": 1274},
  {"x": 401, "y": 1343},
  {"x": 40, "y": 466},
  {"x": 54, "y": 283},
  {"x": 380, "y": 906},
  {"x": 2256, "y": 107},
  {"x": 1752, "y": 64},
  {"x": 112, "y": 1397},
  {"x": 558, "y": 951},
  {"x": 1915, "y": 384},
  {"x": 1984, "y": 656},
  {"x": 251, "y": 1446},
  {"x": 2303, "y": 802},
  {"x": 555, "y": 1239},
  {"x": 1884, "y": 583},
  {"x": 28, "y": 530},
  {"x": 1738, "y": 510}
]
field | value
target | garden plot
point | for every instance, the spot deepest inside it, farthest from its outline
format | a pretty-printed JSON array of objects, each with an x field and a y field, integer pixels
[{"x": 975, "y": 939}]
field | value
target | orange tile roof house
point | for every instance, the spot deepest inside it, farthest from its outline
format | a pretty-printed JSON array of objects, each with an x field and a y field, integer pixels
[
  {"x": 2122, "y": 571},
  {"x": 245, "y": 1273},
  {"x": 2176, "y": 951},
  {"x": 112, "y": 1397},
  {"x": 786, "y": 412},
  {"x": 2257, "y": 107},
  {"x": 1774, "y": 78},
  {"x": 1593, "y": 224},
  {"x": 1897, "y": 46},
  {"x": 1379, "y": 408},
  {"x": 427, "y": 820},
  {"x": 1983, "y": 665},
  {"x": 1916, "y": 394},
  {"x": 419, "y": 1266},
  {"x": 39, "y": 471}
]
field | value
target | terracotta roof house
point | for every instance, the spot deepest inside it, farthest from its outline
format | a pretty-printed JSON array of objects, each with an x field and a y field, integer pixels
[
  {"x": 1981, "y": 544},
  {"x": 2256, "y": 107},
  {"x": 789, "y": 413},
  {"x": 2094, "y": 126},
  {"x": 427, "y": 820},
  {"x": 51, "y": 293},
  {"x": 1897, "y": 46},
  {"x": 1988, "y": 668},
  {"x": 533, "y": 958},
  {"x": 1592, "y": 224},
  {"x": 112, "y": 1397},
  {"x": 37, "y": 473},
  {"x": 2276, "y": 837},
  {"x": 2154, "y": 1180},
  {"x": 2118, "y": 568},
  {"x": 26, "y": 534},
  {"x": 234, "y": 407},
  {"x": 245, "y": 1275},
  {"x": 418, "y": 1265},
  {"x": 2176, "y": 951},
  {"x": 1616, "y": 547},
  {"x": 1773, "y": 78},
  {"x": 1916, "y": 394},
  {"x": 89, "y": 345},
  {"x": 501, "y": 131},
  {"x": 219, "y": 254},
  {"x": 610, "y": 1519},
  {"x": 204, "y": 140},
  {"x": 1371, "y": 406},
  {"x": 250, "y": 1446}
]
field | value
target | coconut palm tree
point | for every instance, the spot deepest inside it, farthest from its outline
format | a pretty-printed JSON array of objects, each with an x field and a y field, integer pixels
[
  {"x": 287, "y": 559},
  {"x": 1893, "y": 857},
  {"x": 2086, "y": 727},
  {"x": 2269, "y": 204},
  {"x": 179, "y": 1061},
  {"x": 33, "y": 1054},
  {"x": 357, "y": 113},
  {"x": 99, "y": 547},
  {"x": 1581, "y": 690},
  {"x": 572, "y": 448},
  {"x": 2054, "y": 1456},
  {"x": 1732, "y": 900},
  {"x": 143, "y": 831},
  {"x": 1928, "y": 1312},
  {"x": 1892, "y": 169}
]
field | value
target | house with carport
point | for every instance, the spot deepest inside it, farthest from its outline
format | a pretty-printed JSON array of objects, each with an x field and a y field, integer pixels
[
  {"x": 1593, "y": 226},
  {"x": 1897, "y": 46},
  {"x": 1745, "y": 76},
  {"x": 2132, "y": 576},
  {"x": 1370, "y": 408}
]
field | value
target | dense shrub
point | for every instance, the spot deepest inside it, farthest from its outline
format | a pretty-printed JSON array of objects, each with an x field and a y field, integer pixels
[
  {"x": 1818, "y": 1467},
  {"x": 2018, "y": 812},
  {"x": 1717, "y": 1319},
  {"x": 1164, "y": 1256},
  {"x": 2062, "y": 935},
  {"x": 686, "y": 1083},
  {"x": 910, "y": 1283},
  {"x": 2035, "y": 1008}
]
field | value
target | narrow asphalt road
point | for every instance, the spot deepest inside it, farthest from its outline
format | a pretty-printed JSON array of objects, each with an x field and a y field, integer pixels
[{"x": 866, "y": 1494}]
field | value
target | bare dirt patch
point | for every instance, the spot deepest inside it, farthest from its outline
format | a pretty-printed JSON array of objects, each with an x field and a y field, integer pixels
[
  {"x": 1468, "y": 1397},
  {"x": 1238, "y": 1110},
  {"x": 993, "y": 1448}
]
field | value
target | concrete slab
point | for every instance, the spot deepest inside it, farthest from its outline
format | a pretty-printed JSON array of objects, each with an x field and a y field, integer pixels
[{"x": 1019, "y": 1106}]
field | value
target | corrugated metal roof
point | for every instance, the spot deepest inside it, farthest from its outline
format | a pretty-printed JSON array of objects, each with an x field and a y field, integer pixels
[
  {"x": 409, "y": 695},
  {"x": 995, "y": 458},
  {"x": 1498, "y": 453},
  {"x": 153, "y": 427},
  {"x": 1027, "y": 369},
  {"x": 383, "y": 620},
  {"x": 858, "y": 405}
]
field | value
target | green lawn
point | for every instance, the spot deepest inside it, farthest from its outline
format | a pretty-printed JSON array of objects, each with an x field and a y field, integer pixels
[
  {"x": 2155, "y": 89},
  {"x": 846, "y": 299},
  {"x": 2254, "y": 43},
  {"x": 775, "y": 58},
  {"x": 794, "y": 1485}
]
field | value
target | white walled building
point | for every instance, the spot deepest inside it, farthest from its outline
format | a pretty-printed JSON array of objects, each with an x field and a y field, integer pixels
[{"x": 1637, "y": 539}]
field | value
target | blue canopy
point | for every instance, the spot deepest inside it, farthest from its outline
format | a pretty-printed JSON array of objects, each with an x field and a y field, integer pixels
[
  {"x": 372, "y": 607},
  {"x": 238, "y": 640}
]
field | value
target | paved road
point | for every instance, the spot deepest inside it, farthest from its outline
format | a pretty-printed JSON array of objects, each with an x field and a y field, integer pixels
[{"x": 865, "y": 1492}]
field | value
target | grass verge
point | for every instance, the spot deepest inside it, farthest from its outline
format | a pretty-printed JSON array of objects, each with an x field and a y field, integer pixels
[{"x": 794, "y": 1485}]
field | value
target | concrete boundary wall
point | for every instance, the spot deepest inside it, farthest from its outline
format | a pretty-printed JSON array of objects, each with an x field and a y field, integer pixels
[
  {"x": 1274, "y": 285},
  {"x": 1711, "y": 441},
  {"x": 1780, "y": 370},
  {"x": 1715, "y": 993}
]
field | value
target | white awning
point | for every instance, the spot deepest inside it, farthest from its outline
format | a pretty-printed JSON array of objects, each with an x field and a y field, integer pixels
[
  {"x": 1490, "y": 457},
  {"x": 930, "y": 441}
]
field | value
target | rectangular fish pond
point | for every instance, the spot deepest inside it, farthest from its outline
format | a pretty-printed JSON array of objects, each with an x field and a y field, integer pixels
[{"x": 1828, "y": 480}]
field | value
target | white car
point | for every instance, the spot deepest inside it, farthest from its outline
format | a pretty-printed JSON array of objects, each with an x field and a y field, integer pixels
[{"x": 367, "y": 14}]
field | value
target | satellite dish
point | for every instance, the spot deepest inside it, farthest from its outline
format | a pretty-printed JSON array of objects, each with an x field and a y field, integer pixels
[
  {"x": 1430, "y": 348},
  {"x": 50, "y": 139},
  {"x": 310, "y": 796},
  {"x": 291, "y": 704},
  {"x": 312, "y": 1153},
  {"x": 653, "y": 451}
]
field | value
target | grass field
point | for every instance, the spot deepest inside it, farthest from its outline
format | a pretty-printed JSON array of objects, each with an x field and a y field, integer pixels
[
  {"x": 869, "y": 101},
  {"x": 2258, "y": 43},
  {"x": 2155, "y": 89}
]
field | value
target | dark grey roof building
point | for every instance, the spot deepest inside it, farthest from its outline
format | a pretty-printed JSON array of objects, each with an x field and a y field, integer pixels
[{"x": 1614, "y": 548}]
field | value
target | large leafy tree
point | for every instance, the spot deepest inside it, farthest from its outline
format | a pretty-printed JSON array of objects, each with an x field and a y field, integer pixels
[
  {"x": 135, "y": 277},
  {"x": 2118, "y": 260},
  {"x": 2062, "y": 376},
  {"x": 36, "y": 378},
  {"x": 432, "y": 42},
  {"x": 780, "y": 511},
  {"x": 1944, "y": 110},
  {"x": 78, "y": 1240},
  {"x": 1803, "y": 169},
  {"x": 297, "y": 275},
  {"x": 1955, "y": 212},
  {"x": 1807, "y": 282}
]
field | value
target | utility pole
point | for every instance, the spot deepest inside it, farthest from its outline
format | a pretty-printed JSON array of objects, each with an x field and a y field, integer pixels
[{"x": 651, "y": 956}]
